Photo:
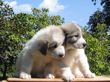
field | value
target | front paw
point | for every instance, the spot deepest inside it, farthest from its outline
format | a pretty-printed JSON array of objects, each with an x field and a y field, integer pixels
[
  {"x": 90, "y": 75},
  {"x": 50, "y": 76},
  {"x": 79, "y": 76},
  {"x": 24, "y": 75},
  {"x": 67, "y": 77}
]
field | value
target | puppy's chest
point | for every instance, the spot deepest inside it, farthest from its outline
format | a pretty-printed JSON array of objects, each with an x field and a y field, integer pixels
[
  {"x": 39, "y": 63},
  {"x": 71, "y": 58}
]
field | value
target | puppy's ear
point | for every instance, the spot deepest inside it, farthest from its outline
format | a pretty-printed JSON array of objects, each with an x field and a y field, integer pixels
[
  {"x": 65, "y": 31},
  {"x": 43, "y": 47}
]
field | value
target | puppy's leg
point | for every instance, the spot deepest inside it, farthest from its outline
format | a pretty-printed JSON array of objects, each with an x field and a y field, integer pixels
[
  {"x": 66, "y": 72},
  {"x": 84, "y": 67},
  {"x": 18, "y": 66},
  {"x": 26, "y": 64},
  {"x": 48, "y": 73},
  {"x": 77, "y": 72}
]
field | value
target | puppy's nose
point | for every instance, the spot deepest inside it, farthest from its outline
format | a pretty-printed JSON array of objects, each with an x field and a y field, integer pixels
[
  {"x": 84, "y": 45},
  {"x": 61, "y": 55}
]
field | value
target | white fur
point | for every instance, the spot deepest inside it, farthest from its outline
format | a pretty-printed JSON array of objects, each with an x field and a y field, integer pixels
[
  {"x": 78, "y": 61},
  {"x": 75, "y": 63},
  {"x": 75, "y": 57},
  {"x": 31, "y": 62}
]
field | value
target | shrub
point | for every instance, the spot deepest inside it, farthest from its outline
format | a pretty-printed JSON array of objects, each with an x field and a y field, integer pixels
[{"x": 97, "y": 53}]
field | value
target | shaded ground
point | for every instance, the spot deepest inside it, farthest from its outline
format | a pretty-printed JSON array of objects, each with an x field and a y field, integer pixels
[{"x": 1, "y": 78}]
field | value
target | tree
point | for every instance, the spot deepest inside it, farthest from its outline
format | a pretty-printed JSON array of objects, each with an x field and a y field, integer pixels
[
  {"x": 6, "y": 13},
  {"x": 105, "y": 11},
  {"x": 43, "y": 19},
  {"x": 9, "y": 48},
  {"x": 95, "y": 19},
  {"x": 100, "y": 26},
  {"x": 25, "y": 25},
  {"x": 98, "y": 51},
  {"x": 16, "y": 29},
  {"x": 101, "y": 32}
]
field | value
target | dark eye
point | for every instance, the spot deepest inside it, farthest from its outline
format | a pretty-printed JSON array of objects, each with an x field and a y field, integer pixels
[
  {"x": 53, "y": 46},
  {"x": 76, "y": 35}
]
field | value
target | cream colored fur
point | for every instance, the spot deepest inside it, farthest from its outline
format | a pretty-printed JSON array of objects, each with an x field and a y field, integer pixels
[
  {"x": 31, "y": 61},
  {"x": 75, "y": 62}
]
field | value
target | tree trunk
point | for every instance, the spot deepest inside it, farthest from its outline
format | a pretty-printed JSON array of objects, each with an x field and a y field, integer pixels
[{"x": 4, "y": 71}]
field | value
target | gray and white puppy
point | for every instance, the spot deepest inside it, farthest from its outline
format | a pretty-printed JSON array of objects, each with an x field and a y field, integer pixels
[
  {"x": 45, "y": 45},
  {"x": 74, "y": 48},
  {"x": 75, "y": 63}
]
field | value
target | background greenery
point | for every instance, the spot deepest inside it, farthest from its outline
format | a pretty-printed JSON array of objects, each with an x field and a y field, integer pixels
[{"x": 16, "y": 29}]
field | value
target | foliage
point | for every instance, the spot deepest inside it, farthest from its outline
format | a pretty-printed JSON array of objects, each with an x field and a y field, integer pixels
[
  {"x": 102, "y": 15},
  {"x": 101, "y": 32},
  {"x": 95, "y": 19},
  {"x": 9, "y": 48},
  {"x": 43, "y": 19},
  {"x": 15, "y": 30},
  {"x": 98, "y": 51},
  {"x": 106, "y": 11},
  {"x": 99, "y": 26},
  {"x": 6, "y": 13}
]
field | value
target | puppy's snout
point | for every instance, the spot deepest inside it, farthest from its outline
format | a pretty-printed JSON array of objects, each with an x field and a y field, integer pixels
[
  {"x": 61, "y": 55},
  {"x": 84, "y": 45}
]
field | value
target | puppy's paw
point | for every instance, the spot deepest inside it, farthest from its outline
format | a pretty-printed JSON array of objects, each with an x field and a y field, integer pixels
[
  {"x": 16, "y": 75},
  {"x": 24, "y": 75},
  {"x": 68, "y": 77},
  {"x": 79, "y": 75},
  {"x": 50, "y": 76},
  {"x": 90, "y": 75}
]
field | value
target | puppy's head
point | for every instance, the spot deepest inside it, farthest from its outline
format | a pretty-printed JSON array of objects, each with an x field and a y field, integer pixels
[
  {"x": 57, "y": 49},
  {"x": 54, "y": 49},
  {"x": 73, "y": 36},
  {"x": 52, "y": 45}
]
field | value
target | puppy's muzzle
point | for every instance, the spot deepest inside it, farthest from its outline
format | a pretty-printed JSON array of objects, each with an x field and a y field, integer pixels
[
  {"x": 84, "y": 45},
  {"x": 61, "y": 55}
]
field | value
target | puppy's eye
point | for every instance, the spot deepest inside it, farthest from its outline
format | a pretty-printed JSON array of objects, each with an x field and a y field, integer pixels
[
  {"x": 53, "y": 46},
  {"x": 76, "y": 35}
]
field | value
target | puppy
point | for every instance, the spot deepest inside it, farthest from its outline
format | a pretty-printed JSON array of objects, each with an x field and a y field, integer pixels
[
  {"x": 74, "y": 47},
  {"x": 75, "y": 63},
  {"x": 45, "y": 46}
]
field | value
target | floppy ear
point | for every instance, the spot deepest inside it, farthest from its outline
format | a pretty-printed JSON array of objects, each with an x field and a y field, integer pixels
[
  {"x": 43, "y": 48},
  {"x": 65, "y": 40},
  {"x": 65, "y": 34}
]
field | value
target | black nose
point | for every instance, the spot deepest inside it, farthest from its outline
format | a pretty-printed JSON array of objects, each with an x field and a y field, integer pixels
[
  {"x": 84, "y": 44},
  {"x": 61, "y": 55}
]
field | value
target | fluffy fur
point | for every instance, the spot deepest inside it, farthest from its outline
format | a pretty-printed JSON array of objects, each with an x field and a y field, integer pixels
[
  {"x": 45, "y": 46},
  {"x": 44, "y": 55},
  {"x": 75, "y": 63}
]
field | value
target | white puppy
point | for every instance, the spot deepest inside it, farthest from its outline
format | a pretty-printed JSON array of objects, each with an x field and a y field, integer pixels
[
  {"x": 74, "y": 46},
  {"x": 45, "y": 45},
  {"x": 75, "y": 60}
]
